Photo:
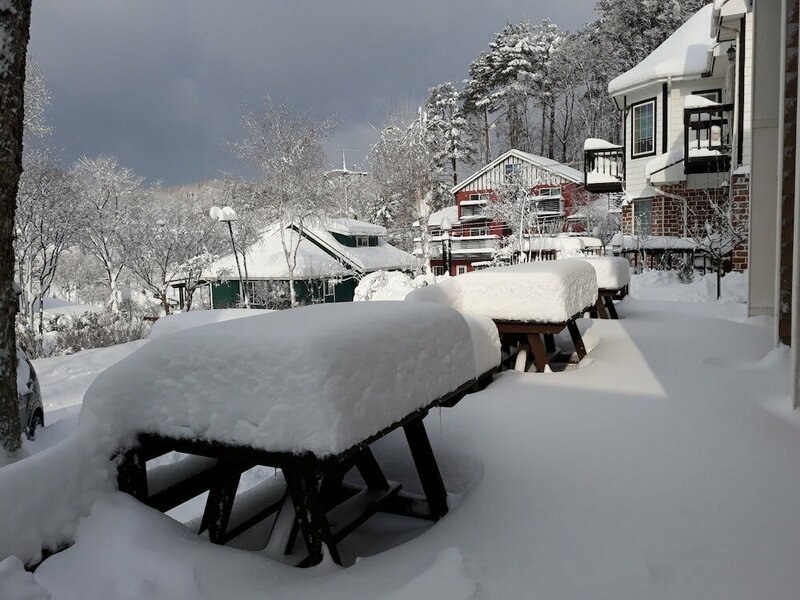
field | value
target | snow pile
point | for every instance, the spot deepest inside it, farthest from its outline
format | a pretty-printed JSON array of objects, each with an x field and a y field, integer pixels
[
  {"x": 383, "y": 285},
  {"x": 694, "y": 101},
  {"x": 612, "y": 272},
  {"x": 545, "y": 292},
  {"x": 683, "y": 54},
  {"x": 196, "y": 318},
  {"x": 17, "y": 584},
  {"x": 43, "y": 496},
  {"x": 664, "y": 285},
  {"x": 356, "y": 368}
]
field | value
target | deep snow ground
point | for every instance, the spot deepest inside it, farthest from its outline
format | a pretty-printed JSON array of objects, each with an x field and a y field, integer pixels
[{"x": 665, "y": 467}]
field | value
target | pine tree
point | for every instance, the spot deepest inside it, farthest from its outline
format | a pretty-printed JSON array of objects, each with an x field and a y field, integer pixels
[{"x": 448, "y": 133}]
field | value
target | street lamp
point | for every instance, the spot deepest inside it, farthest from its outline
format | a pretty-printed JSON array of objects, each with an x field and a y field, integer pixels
[
  {"x": 446, "y": 227},
  {"x": 227, "y": 215}
]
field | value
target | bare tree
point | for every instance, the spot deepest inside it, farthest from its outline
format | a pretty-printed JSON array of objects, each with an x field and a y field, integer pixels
[
  {"x": 598, "y": 220},
  {"x": 287, "y": 147},
  {"x": 106, "y": 194},
  {"x": 15, "y": 21},
  {"x": 717, "y": 230}
]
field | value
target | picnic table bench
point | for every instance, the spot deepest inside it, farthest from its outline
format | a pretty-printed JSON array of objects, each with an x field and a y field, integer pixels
[
  {"x": 232, "y": 402},
  {"x": 530, "y": 303}
]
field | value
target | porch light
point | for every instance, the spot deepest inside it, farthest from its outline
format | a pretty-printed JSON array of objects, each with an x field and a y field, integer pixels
[{"x": 731, "y": 52}]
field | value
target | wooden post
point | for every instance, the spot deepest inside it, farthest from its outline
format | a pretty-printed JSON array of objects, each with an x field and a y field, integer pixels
[
  {"x": 540, "y": 357},
  {"x": 219, "y": 504},
  {"x": 132, "y": 475}
]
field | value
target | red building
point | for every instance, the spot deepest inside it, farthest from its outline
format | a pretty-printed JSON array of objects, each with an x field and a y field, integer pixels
[{"x": 557, "y": 190}]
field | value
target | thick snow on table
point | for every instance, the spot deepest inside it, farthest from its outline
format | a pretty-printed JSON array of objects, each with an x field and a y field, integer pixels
[
  {"x": 542, "y": 292},
  {"x": 196, "y": 318},
  {"x": 612, "y": 272},
  {"x": 666, "y": 470},
  {"x": 320, "y": 378}
]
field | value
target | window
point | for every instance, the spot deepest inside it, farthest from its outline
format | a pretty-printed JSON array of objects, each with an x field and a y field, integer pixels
[
  {"x": 643, "y": 128},
  {"x": 438, "y": 270},
  {"x": 479, "y": 197},
  {"x": 461, "y": 269},
  {"x": 513, "y": 169},
  {"x": 643, "y": 216},
  {"x": 549, "y": 192},
  {"x": 551, "y": 205},
  {"x": 362, "y": 240},
  {"x": 713, "y": 95},
  {"x": 328, "y": 287}
]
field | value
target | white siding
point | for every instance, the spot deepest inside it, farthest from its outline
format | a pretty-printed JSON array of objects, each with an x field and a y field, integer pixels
[
  {"x": 635, "y": 181},
  {"x": 497, "y": 176}
]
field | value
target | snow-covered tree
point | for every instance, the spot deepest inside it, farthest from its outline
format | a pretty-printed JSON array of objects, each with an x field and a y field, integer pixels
[
  {"x": 599, "y": 221},
  {"x": 44, "y": 228},
  {"x": 167, "y": 238},
  {"x": 512, "y": 203},
  {"x": 106, "y": 194},
  {"x": 15, "y": 21},
  {"x": 404, "y": 165},
  {"x": 288, "y": 148},
  {"x": 448, "y": 129}
]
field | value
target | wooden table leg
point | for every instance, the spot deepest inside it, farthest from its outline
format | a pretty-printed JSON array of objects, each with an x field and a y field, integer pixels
[
  {"x": 577, "y": 340},
  {"x": 600, "y": 308},
  {"x": 550, "y": 342},
  {"x": 427, "y": 469},
  {"x": 132, "y": 475},
  {"x": 314, "y": 525},
  {"x": 539, "y": 352},
  {"x": 370, "y": 471},
  {"x": 219, "y": 503},
  {"x": 612, "y": 310}
]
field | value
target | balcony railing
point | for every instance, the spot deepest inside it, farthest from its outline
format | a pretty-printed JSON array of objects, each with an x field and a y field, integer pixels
[
  {"x": 604, "y": 169},
  {"x": 707, "y": 138}
]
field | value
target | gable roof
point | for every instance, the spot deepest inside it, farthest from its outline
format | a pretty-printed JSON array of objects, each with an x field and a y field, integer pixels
[
  {"x": 547, "y": 164},
  {"x": 319, "y": 253},
  {"x": 683, "y": 55}
]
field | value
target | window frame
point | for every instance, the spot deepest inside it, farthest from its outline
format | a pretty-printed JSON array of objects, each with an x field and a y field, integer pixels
[
  {"x": 461, "y": 269},
  {"x": 515, "y": 170},
  {"x": 636, "y": 203},
  {"x": 633, "y": 108},
  {"x": 705, "y": 93}
]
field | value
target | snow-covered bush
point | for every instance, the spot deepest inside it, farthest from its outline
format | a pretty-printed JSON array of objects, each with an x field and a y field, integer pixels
[
  {"x": 390, "y": 285},
  {"x": 65, "y": 333}
]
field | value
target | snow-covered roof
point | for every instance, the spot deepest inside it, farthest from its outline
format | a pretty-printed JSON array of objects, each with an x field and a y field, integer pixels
[
  {"x": 546, "y": 164},
  {"x": 319, "y": 253},
  {"x": 683, "y": 55},
  {"x": 652, "y": 242},
  {"x": 695, "y": 101},
  {"x": 599, "y": 144},
  {"x": 435, "y": 218},
  {"x": 364, "y": 259},
  {"x": 724, "y": 9},
  {"x": 353, "y": 227},
  {"x": 266, "y": 260}
]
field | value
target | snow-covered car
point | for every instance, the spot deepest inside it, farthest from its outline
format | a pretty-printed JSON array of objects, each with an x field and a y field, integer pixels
[{"x": 31, "y": 411}]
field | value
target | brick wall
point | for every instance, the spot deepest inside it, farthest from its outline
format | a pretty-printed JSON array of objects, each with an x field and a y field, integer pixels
[{"x": 667, "y": 214}]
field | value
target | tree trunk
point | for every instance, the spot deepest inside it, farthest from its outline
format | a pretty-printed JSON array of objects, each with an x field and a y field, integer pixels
[
  {"x": 292, "y": 293},
  {"x": 551, "y": 139},
  {"x": 15, "y": 21},
  {"x": 487, "y": 149},
  {"x": 164, "y": 302},
  {"x": 455, "y": 171}
]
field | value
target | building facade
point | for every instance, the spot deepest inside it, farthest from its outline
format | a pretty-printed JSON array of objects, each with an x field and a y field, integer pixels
[
  {"x": 687, "y": 133},
  {"x": 474, "y": 237}
]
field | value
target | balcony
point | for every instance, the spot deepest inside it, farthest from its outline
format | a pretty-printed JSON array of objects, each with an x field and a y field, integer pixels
[
  {"x": 603, "y": 166},
  {"x": 706, "y": 135}
]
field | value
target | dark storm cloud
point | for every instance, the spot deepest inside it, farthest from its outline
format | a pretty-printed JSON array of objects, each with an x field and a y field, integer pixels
[{"x": 160, "y": 84}]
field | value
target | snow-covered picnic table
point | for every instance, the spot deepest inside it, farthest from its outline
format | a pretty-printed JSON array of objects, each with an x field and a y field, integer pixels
[
  {"x": 304, "y": 390},
  {"x": 528, "y": 302},
  {"x": 613, "y": 277}
]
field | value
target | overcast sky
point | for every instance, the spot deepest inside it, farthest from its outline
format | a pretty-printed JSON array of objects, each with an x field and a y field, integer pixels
[{"x": 160, "y": 84}]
